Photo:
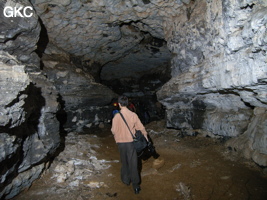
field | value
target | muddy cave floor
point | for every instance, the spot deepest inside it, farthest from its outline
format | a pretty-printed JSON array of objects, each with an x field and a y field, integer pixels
[{"x": 198, "y": 168}]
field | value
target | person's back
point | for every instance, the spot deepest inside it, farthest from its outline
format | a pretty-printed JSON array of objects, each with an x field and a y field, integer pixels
[
  {"x": 120, "y": 129},
  {"x": 124, "y": 139}
]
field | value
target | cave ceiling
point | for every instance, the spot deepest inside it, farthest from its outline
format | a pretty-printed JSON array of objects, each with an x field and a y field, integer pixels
[{"x": 122, "y": 37}]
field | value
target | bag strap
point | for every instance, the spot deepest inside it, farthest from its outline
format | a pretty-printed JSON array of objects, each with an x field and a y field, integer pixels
[{"x": 126, "y": 124}]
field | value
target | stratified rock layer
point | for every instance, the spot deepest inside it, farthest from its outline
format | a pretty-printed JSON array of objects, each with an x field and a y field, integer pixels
[
  {"x": 29, "y": 128},
  {"x": 83, "y": 101},
  {"x": 219, "y": 73}
]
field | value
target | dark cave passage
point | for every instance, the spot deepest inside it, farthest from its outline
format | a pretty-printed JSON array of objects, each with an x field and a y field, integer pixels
[{"x": 138, "y": 74}]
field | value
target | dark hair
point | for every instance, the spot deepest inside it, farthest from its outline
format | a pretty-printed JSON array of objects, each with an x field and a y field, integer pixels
[{"x": 123, "y": 100}]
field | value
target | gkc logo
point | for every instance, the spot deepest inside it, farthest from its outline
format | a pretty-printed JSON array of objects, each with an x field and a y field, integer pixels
[{"x": 18, "y": 12}]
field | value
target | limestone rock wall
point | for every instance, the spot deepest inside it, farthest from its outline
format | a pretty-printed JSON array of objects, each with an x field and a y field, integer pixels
[
  {"x": 19, "y": 35},
  {"x": 83, "y": 102},
  {"x": 219, "y": 73},
  {"x": 33, "y": 100},
  {"x": 252, "y": 144},
  {"x": 29, "y": 130}
]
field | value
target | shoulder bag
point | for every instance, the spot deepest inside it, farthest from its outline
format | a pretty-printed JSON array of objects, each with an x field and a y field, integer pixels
[{"x": 140, "y": 142}]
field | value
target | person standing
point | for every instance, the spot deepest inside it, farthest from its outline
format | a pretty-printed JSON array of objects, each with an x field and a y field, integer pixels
[{"x": 124, "y": 140}]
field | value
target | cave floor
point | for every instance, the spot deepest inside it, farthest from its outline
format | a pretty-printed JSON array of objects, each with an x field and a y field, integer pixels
[{"x": 198, "y": 168}]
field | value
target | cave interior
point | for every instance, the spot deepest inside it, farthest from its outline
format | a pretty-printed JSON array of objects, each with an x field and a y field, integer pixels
[{"x": 199, "y": 66}]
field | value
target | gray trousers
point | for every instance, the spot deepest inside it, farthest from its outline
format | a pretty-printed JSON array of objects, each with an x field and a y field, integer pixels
[{"x": 129, "y": 164}]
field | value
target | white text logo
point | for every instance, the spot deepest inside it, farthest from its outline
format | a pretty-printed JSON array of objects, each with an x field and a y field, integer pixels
[{"x": 17, "y": 12}]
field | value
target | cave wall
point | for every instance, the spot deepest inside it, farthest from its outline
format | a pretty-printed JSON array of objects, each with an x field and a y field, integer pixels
[
  {"x": 219, "y": 73},
  {"x": 29, "y": 130},
  {"x": 83, "y": 102},
  {"x": 37, "y": 98}
]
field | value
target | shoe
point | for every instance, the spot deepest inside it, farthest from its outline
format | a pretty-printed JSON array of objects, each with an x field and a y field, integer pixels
[{"x": 137, "y": 190}]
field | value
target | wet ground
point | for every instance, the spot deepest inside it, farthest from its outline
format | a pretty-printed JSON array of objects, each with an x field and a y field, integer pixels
[{"x": 197, "y": 168}]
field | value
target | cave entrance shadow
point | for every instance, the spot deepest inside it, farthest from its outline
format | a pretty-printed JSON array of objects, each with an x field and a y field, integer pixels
[
  {"x": 33, "y": 105},
  {"x": 43, "y": 40},
  {"x": 62, "y": 117}
]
